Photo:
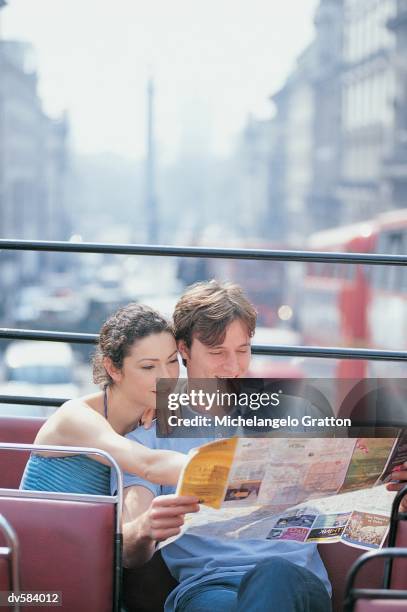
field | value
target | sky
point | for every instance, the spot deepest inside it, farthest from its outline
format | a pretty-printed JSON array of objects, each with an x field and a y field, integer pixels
[{"x": 213, "y": 63}]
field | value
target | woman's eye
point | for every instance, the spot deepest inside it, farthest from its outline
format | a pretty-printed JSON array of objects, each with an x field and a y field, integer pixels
[
  {"x": 147, "y": 367},
  {"x": 174, "y": 360}
]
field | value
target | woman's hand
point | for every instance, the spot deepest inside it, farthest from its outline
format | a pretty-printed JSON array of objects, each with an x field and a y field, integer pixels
[{"x": 399, "y": 481}]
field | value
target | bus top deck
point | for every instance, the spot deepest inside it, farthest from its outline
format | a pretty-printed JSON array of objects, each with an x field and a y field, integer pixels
[{"x": 69, "y": 545}]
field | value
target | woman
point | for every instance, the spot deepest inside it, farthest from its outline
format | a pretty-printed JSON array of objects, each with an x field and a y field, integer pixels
[{"x": 136, "y": 346}]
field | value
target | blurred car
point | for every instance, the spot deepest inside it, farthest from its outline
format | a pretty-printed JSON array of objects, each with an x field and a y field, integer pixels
[
  {"x": 38, "y": 369},
  {"x": 57, "y": 309},
  {"x": 27, "y": 304}
]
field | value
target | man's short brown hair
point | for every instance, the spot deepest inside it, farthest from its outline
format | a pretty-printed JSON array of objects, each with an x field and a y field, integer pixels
[{"x": 207, "y": 308}]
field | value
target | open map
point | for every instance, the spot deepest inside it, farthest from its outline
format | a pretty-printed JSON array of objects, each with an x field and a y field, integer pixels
[{"x": 307, "y": 490}]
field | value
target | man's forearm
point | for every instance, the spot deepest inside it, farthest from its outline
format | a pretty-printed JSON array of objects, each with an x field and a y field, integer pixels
[{"x": 138, "y": 548}]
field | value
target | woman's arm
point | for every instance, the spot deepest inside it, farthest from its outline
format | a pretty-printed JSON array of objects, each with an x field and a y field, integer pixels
[{"x": 79, "y": 425}]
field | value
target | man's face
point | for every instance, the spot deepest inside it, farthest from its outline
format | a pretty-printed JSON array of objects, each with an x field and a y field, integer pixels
[{"x": 230, "y": 359}]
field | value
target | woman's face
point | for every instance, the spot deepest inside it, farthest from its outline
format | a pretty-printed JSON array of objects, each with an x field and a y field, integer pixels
[{"x": 149, "y": 359}]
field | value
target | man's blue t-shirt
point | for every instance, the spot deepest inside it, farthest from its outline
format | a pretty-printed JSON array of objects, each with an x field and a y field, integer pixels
[{"x": 194, "y": 559}]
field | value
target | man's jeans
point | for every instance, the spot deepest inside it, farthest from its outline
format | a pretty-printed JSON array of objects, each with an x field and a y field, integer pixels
[{"x": 274, "y": 585}]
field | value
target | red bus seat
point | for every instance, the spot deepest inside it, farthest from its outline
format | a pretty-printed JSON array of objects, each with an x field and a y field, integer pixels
[
  {"x": 65, "y": 546},
  {"x": 390, "y": 593},
  {"x": 376, "y": 598},
  {"x": 68, "y": 543},
  {"x": 338, "y": 559},
  {"x": 19, "y": 430},
  {"x": 4, "y": 572},
  {"x": 399, "y": 569},
  {"x": 9, "y": 560}
]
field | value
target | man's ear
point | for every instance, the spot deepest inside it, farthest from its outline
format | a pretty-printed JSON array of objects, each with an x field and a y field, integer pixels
[
  {"x": 184, "y": 350},
  {"x": 114, "y": 373}
]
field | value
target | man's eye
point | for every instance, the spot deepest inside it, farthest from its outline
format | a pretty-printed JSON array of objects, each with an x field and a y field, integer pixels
[
  {"x": 147, "y": 367},
  {"x": 215, "y": 353}
]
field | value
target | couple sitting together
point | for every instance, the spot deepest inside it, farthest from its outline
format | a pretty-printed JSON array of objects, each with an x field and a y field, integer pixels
[{"x": 212, "y": 330}]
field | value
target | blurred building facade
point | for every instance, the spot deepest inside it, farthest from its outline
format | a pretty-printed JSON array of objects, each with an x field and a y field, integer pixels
[
  {"x": 291, "y": 176},
  {"x": 368, "y": 118},
  {"x": 395, "y": 166},
  {"x": 306, "y": 149},
  {"x": 339, "y": 136},
  {"x": 33, "y": 165},
  {"x": 322, "y": 204},
  {"x": 252, "y": 166}
]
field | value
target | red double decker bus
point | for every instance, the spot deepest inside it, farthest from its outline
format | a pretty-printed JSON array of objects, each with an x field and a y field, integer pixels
[{"x": 357, "y": 305}]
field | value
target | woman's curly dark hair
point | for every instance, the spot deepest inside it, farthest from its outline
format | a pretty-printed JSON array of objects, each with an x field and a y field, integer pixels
[{"x": 118, "y": 334}]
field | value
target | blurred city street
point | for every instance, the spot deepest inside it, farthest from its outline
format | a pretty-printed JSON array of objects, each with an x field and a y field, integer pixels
[{"x": 186, "y": 136}]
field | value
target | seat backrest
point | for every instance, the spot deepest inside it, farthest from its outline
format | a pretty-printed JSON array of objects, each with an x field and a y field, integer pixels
[
  {"x": 68, "y": 543},
  {"x": 9, "y": 562},
  {"x": 4, "y": 571},
  {"x": 66, "y": 546},
  {"x": 399, "y": 568},
  {"x": 338, "y": 558},
  {"x": 20, "y": 430}
]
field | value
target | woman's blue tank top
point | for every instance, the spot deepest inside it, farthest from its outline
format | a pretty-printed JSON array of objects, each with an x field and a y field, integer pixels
[{"x": 70, "y": 474}]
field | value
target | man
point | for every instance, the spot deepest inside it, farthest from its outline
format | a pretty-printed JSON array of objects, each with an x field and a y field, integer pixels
[{"x": 214, "y": 324}]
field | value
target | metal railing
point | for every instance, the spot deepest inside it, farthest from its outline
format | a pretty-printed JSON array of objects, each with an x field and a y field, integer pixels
[
  {"x": 201, "y": 252},
  {"x": 11, "y": 553}
]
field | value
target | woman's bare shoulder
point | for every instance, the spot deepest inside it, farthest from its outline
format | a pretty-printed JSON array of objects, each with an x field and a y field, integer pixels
[
  {"x": 93, "y": 402},
  {"x": 70, "y": 418}
]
